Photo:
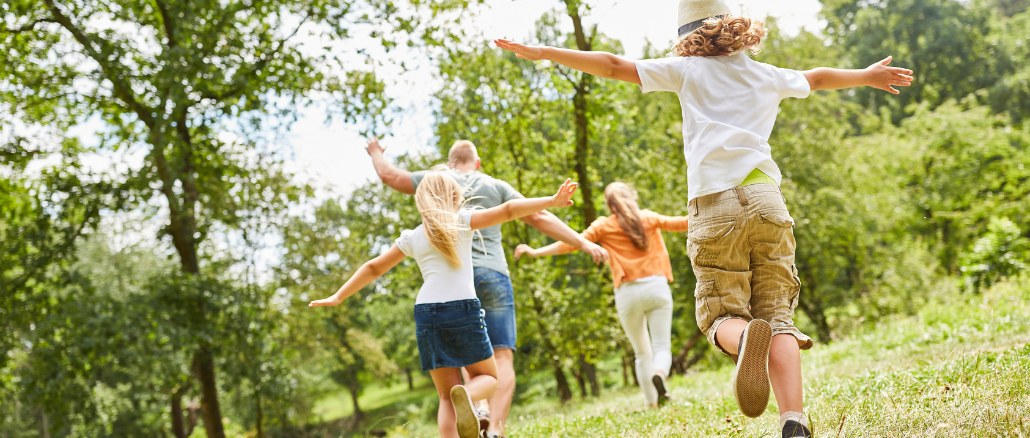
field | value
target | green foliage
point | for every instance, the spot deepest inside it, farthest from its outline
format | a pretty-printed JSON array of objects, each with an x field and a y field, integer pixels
[{"x": 1002, "y": 252}]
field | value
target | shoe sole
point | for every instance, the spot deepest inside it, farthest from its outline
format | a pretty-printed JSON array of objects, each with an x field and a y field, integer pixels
[
  {"x": 751, "y": 380},
  {"x": 464, "y": 415},
  {"x": 663, "y": 394}
]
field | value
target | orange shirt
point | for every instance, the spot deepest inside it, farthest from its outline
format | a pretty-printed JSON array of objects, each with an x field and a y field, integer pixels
[{"x": 627, "y": 262}]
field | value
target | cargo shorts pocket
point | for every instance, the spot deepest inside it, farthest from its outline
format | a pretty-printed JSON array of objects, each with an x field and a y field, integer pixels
[
  {"x": 707, "y": 304},
  {"x": 796, "y": 294},
  {"x": 777, "y": 217},
  {"x": 706, "y": 231}
]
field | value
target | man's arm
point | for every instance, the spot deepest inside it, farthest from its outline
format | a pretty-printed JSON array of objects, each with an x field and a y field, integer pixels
[
  {"x": 393, "y": 176},
  {"x": 879, "y": 75},
  {"x": 552, "y": 227}
]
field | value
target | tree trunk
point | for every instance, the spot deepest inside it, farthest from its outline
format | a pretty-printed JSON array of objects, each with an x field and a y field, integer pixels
[
  {"x": 182, "y": 227},
  {"x": 178, "y": 426},
  {"x": 589, "y": 372},
  {"x": 582, "y": 122},
  {"x": 260, "y": 417},
  {"x": 204, "y": 368},
  {"x": 625, "y": 367},
  {"x": 191, "y": 417},
  {"x": 815, "y": 313},
  {"x": 354, "y": 392},
  {"x": 680, "y": 364},
  {"x": 44, "y": 424},
  {"x": 577, "y": 373},
  {"x": 411, "y": 381},
  {"x": 564, "y": 392}
]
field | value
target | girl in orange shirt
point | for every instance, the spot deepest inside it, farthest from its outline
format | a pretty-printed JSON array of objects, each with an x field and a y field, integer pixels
[{"x": 641, "y": 272}]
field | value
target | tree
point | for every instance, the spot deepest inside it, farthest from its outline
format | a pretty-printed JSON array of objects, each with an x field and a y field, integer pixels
[
  {"x": 167, "y": 79},
  {"x": 941, "y": 40}
]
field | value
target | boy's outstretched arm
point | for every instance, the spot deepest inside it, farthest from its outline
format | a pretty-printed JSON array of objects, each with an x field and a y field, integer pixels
[
  {"x": 555, "y": 248},
  {"x": 517, "y": 208},
  {"x": 603, "y": 64},
  {"x": 879, "y": 75},
  {"x": 366, "y": 274}
]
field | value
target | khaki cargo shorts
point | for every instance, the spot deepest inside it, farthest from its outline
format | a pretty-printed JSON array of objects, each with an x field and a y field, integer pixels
[{"x": 741, "y": 246}]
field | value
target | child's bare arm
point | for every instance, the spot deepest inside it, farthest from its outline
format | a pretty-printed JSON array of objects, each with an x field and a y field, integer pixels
[
  {"x": 603, "y": 64},
  {"x": 366, "y": 274},
  {"x": 517, "y": 208},
  {"x": 555, "y": 248},
  {"x": 879, "y": 75}
]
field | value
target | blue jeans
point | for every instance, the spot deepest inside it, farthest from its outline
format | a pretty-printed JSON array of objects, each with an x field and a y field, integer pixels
[{"x": 498, "y": 300}]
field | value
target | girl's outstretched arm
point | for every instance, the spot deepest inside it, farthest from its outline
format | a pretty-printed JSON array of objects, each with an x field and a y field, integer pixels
[
  {"x": 517, "y": 208},
  {"x": 555, "y": 248},
  {"x": 603, "y": 64},
  {"x": 672, "y": 223},
  {"x": 879, "y": 75},
  {"x": 366, "y": 274}
]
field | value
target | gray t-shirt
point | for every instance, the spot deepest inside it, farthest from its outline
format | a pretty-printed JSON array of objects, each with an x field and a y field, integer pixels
[{"x": 482, "y": 191}]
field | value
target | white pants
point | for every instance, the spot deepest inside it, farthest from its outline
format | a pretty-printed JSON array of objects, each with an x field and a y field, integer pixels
[{"x": 645, "y": 310}]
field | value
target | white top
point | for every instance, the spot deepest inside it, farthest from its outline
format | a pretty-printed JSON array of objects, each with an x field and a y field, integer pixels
[
  {"x": 441, "y": 282},
  {"x": 729, "y": 107}
]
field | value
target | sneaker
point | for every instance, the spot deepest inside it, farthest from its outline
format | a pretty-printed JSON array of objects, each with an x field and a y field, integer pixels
[
  {"x": 484, "y": 422},
  {"x": 659, "y": 384},
  {"x": 751, "y": 379},
  {"x": 464, "y": 414},
  {"x": 794, "y": 429}
]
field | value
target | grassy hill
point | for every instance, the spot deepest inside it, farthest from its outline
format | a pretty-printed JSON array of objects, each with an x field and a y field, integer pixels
[{"x": 959, "y": 367}]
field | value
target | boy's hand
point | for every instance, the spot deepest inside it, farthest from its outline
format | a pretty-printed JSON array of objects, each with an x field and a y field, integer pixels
[
  {"x": 564, "y": 196},
  {"x": 531, "y": 53},
  {"x": 373, "y": 147},
  {"x": 523, "y": 249},
  {"x": 325, "y": 302},
  {"x": 886, "y": 78}
]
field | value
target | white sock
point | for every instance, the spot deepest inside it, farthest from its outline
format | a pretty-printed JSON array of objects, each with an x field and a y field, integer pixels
[{"x": 796, "y": 416}]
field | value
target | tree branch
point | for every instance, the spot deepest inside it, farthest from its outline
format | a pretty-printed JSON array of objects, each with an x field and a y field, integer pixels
[
  {"x": 29, "y": 26},
  {"x": 166, "y": 21},
  {"x": 189, "y": 184},
  {"x": 121, "y": 88},
  {"x": 240, "y": 79}
]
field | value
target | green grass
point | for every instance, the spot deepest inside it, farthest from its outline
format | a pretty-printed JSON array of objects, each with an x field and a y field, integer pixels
[
  {"x": 960, "y": 367},
  {"x": 373, "y": 398}
]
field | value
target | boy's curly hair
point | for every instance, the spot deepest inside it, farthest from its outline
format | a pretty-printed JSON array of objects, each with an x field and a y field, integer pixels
[{"x": 722, "y": 36}]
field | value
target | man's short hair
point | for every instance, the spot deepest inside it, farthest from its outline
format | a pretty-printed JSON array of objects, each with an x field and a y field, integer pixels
[{"x": 463, "y": 151}]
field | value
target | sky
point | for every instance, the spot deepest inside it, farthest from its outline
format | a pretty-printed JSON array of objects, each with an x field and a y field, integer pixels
[{"x": 333, "y": 156}]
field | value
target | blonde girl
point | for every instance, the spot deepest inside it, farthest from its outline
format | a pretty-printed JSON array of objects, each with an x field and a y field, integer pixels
[
  {"x": 641, "y": 272},
  {"x": 449, "y": 325},
  {"x": 741, "y": 241}
]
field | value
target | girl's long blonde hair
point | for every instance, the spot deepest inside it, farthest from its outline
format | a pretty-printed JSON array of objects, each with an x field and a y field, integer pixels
[
  {"x": 722, "y": 36},
  {"x": 438, "y": 199},
  {"x": 622, "y": 201}
]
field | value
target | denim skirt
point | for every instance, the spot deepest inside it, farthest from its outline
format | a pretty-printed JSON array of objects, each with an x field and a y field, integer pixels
[{"x": 451, "y": 334}]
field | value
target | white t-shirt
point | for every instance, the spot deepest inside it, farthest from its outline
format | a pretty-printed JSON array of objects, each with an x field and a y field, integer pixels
[
  {"x": 441, "y": 282},
  {"x": 729, "y": 107}
]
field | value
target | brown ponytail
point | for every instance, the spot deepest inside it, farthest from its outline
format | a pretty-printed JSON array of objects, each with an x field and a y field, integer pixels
[{"x": 622, "y": 201}]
